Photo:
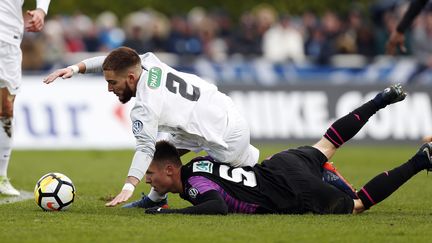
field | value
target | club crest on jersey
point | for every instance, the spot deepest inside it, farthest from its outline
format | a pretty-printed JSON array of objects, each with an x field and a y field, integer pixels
[
  {"x": 137, "y": 127},
  {"x": 193, "y": 192},
  {"x": 154, "y": 77},
  {"x": 203, "y": 166}
]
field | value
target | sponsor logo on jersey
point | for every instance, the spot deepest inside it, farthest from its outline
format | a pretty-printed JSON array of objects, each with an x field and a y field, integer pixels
[
  {"x": 154, "y": 77},
  {"x": 193, "y": 192},
  {"x": 203, "y": 166},
  {"x": 137, "y": 127}
]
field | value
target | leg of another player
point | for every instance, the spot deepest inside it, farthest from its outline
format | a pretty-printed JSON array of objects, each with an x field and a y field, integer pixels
[
  {"x": 348, "y": 126},
  {"x": 384, "y": 184},
  {"x": 6, "y": 132}
]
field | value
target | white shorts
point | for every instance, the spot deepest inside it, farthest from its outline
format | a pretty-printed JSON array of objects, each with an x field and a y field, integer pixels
[
  {"x": 237, "y": 136},
  {"x": 10, "y": 67}
]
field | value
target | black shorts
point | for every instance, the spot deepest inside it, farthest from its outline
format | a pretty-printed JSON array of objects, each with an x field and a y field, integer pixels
[{"x": 302, "y": 168}]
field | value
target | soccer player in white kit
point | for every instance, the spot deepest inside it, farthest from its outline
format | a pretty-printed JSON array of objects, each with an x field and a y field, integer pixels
[
  {"x": 11, "y": 32},
  {"x": 195, "y": 114}
]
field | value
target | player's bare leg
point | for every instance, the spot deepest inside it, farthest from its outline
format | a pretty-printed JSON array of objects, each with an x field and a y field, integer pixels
[
  {"x": 358, "y": 206},
  {"x": 6, "y": 132}
]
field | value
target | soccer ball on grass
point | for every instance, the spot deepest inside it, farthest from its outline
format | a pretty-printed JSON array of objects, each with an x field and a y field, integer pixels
[{"x": 54, "y": 192}]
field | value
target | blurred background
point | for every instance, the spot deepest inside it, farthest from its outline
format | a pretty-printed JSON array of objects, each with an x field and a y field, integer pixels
[{"x": 291, "y": 66}]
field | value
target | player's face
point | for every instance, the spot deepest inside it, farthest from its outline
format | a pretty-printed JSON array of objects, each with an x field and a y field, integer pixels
[
  {"x": 118, "y": 84},
  {"x": 159, "y": 178}
]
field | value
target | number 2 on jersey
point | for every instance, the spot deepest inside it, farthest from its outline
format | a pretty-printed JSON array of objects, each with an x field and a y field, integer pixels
[{"x": 182, "y": 87}]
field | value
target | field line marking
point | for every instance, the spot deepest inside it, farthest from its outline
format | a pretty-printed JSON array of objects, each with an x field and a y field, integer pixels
[{"x": 25, "y": 195}]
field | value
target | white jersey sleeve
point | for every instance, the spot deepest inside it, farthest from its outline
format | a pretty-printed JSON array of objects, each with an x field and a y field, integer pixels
[
  {"x": 140, "y": 163},
  {"x": 145, "y": 119},
  {"x": 94, "y": 64},
  {"x": 43, "y": 4}
]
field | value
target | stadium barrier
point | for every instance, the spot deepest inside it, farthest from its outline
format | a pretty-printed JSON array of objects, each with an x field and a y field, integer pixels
[
  {"x": 79, "y": 113},
  {"x": 343, "y": 69}
]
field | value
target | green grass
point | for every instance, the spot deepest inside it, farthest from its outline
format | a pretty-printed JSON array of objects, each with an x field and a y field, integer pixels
[{"x": 405, "y": 216}]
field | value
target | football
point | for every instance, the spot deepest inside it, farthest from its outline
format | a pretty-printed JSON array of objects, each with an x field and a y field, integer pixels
[{"x": 54, "y": 192}]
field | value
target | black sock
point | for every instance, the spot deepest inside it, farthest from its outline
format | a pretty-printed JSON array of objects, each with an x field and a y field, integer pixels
[
  {"x": 379, "y": 100},
  {"x": 384, "y": 184},
  {"x": 346, "y": 127}
]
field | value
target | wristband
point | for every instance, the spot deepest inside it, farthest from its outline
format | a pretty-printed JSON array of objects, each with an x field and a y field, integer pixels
[
  {"x": 128, "y": 187},
  {"x": 75, "y": 69}
]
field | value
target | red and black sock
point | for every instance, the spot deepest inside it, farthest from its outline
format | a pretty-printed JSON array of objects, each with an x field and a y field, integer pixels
[
  {"x": 346, "y": 127},
  {"x": 384, "y": 184}
]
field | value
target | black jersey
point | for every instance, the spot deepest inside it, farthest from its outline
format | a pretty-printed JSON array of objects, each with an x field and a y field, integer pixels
[
  {"x": 289, "y": 182},
  {"x": 238, "y": 187}
]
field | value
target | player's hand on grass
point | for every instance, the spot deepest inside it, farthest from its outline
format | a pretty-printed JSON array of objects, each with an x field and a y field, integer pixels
[
  {"x": 120, "y": 198},
  {"x": 396, "y": 40},
  {"x": 63, "y": 73},
  {"x": 35, "y": 21}
]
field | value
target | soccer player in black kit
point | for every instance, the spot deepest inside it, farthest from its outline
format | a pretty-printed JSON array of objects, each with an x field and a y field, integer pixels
[{"x": 290, "y": 182}]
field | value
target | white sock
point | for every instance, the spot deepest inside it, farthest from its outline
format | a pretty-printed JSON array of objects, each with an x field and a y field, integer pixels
[
  {"x": 155, "y": 196},
  {"x": 3, "y": 167},
  {"x": 5, "y": 149}
]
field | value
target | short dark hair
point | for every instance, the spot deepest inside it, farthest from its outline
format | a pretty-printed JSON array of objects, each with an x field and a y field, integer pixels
[
  {"x": 166, "y": 153},
  {"x": 120, "y": 59}
]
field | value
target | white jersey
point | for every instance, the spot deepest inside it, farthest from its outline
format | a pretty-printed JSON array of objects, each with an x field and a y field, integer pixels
[
  {"x": 11, "y": 19},
  {"x": 191, "y": 110},
  {"x": 180, "y": 103}
]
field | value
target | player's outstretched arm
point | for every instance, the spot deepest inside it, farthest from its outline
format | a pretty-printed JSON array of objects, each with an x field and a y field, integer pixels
[
  {"x": 126, "y": 192},
  {"x": 89, "y": 65},
  {"x": 209, "y": 203},
  {"x": 65, "y": 73}
]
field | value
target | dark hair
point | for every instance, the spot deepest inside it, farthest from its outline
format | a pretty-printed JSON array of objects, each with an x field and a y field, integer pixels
[
  {"x": 120, "y": 59},
  {"x": 166, "y": 153}
]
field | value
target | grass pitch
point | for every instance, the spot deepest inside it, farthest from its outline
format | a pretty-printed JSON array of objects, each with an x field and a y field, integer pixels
[{"x": 97, "y": 175}]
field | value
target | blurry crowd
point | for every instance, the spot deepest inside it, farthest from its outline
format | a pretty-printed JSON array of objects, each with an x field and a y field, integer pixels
[{"x": 260, "y": 32}]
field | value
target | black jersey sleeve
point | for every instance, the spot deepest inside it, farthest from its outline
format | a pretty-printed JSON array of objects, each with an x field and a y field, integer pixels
[
  {"x": 210, "y": 202},
  {"x": 413, "y": 10}
]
